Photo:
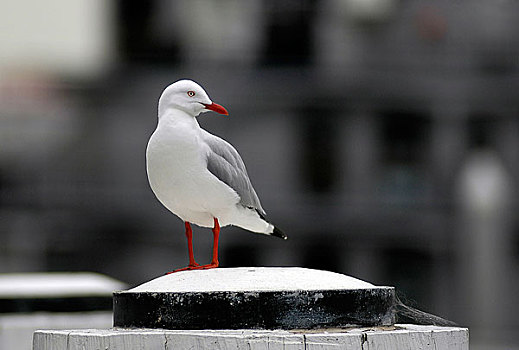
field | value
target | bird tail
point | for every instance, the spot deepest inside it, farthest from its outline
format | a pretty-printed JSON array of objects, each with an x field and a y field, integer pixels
[{"x": 276, "y": 232}]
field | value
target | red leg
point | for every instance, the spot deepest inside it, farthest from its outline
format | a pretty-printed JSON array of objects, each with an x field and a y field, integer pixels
[
  {"x": 192, "y": 264},
  {"x": 214, "y": 261},
  {"x": 189, "y": 236},
  {"x": 216, "y": 235}
]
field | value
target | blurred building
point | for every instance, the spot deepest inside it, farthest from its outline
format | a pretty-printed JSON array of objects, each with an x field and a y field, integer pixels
[{"x": 381, "y": 135}]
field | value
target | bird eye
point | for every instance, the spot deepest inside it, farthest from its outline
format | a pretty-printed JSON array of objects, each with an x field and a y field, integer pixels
[{"x": 190, "y": 93}]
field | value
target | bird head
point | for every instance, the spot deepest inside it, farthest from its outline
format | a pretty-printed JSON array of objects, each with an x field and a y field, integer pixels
[{"x": 189, "y": 97}]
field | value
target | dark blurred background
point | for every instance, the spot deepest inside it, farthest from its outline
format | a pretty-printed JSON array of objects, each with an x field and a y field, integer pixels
[{"x": 381, "y": 135}]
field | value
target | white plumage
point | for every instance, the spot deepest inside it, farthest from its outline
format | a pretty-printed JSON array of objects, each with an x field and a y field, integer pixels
[{"x": 196, "y": 175}]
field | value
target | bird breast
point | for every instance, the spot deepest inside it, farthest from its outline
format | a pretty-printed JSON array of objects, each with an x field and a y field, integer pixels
[{"x": 177, "y": 172}]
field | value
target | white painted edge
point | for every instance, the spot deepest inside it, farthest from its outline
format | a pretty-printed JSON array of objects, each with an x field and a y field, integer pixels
[{"x": 251, "y": 279}]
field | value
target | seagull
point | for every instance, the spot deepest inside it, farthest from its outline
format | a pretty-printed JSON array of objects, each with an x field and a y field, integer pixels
[{"x": 198, "y": 176}]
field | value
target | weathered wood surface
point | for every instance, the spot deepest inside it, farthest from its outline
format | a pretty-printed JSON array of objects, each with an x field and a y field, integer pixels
[{"x": 397, "y": 337}]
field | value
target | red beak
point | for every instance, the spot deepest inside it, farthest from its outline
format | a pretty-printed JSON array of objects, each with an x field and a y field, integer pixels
[{"x": 215, "y": 107}]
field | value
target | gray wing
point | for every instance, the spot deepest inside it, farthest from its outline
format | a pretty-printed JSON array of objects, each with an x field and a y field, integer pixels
[{"x": 224, "y": 162}]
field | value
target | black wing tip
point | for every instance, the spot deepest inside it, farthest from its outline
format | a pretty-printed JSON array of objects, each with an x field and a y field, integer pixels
[{"x": 278, "y": 233}]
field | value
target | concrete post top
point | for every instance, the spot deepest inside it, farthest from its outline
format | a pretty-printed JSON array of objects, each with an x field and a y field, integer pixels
[
  {"x": 254, "y": 298},
  {"x": 56, "y": 292},
  {"x": 56, "y": 284},
  {"x": 251, "y": 279}
]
